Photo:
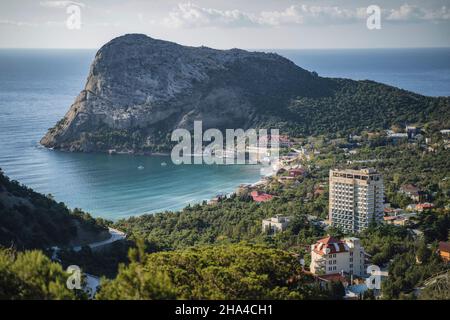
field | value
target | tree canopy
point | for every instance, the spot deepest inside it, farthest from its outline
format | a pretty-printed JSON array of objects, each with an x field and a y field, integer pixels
[{"x": 238, "y": 271}]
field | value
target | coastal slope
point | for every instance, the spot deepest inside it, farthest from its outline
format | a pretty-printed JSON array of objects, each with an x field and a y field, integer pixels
[
  {"x": 140, "y": 89},
  {"x": 29, "y": 220}
]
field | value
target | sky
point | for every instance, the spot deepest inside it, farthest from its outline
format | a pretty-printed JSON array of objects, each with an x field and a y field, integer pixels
[{"x": 248, "y": 24}]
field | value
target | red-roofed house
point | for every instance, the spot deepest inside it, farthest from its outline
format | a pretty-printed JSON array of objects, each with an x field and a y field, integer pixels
[
  {"x": 424, "y": 206},
  {"x": 330, "y": 256},
  {"x": 334, "y": 277},
  {"x": 444, "y": 251},
  {"x": 389, "y": 219},
  {"x": 260, "y": 197}
]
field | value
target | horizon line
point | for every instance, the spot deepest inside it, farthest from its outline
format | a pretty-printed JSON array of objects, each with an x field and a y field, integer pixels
[{"x": 243, "y": 48}]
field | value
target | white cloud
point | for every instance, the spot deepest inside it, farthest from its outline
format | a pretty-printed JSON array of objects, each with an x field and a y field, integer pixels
[
  {"x": 413, "y": 13},
  {"x": 190, "y": 15},
  {"x": 304, "y": 14},
  {"x": 60, "y": 4},
  {"x": 17, "y": 23}
]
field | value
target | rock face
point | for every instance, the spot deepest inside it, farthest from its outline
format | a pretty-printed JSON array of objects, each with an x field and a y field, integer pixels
[{"x": 139, "y": 89}]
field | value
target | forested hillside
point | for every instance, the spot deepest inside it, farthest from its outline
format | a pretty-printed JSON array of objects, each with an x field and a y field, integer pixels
[
  {"x": 31, "y": 220},
  {"x": 355, "y": 106}
]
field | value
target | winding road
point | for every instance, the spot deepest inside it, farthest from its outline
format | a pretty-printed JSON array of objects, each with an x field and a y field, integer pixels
[
  {"x": 116, "y": 235},
  {"x": 92, "y": 282}
]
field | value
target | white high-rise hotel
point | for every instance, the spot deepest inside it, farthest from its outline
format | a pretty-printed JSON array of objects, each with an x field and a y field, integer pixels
[{"x": 356, "y": 199}]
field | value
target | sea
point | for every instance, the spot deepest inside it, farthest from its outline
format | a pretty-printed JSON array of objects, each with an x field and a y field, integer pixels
[{"x": 37, "y": 86}]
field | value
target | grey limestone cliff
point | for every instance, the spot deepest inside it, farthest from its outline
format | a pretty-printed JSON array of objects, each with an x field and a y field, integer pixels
[{"x": 140, "y": 88}]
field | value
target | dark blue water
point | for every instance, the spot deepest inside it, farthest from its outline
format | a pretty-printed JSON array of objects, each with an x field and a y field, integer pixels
[{"x": 38, "y": 86}]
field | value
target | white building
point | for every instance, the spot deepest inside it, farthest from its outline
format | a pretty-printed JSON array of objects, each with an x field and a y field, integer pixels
[
  {"x": 356, "y": 199},
  {"x": 332, "y": 256},
  {"x": 275, "y": 224}
]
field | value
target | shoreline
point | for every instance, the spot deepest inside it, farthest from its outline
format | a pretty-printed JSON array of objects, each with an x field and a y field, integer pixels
[
  {"x": 259, "y": 181},
  {"x": 109, "y": 152}
]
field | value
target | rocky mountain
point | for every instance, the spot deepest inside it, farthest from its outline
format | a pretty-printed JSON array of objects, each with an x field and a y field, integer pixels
[{"x": 139, "y": 89}]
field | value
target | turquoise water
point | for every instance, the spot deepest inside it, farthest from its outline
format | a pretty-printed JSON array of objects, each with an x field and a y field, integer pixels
[{"x": 38, "y": 86}]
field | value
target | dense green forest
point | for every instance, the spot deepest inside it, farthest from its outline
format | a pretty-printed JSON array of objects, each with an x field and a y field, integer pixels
[
  {"x": 232, "y": 220},
  {"x": 213, "y": 272},
  {"x": 31, "y": 275},
  {"x": 104, "y": 262},
  {"x": 409, "y": 269},
  {"x": 355, "y": 106},
  {"x": 31, "y": 220}
]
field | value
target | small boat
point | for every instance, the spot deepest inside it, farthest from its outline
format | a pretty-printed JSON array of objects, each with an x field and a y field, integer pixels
[
  {"x": 140, "y": 168},
  {"x": 163, "y": 164}
]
